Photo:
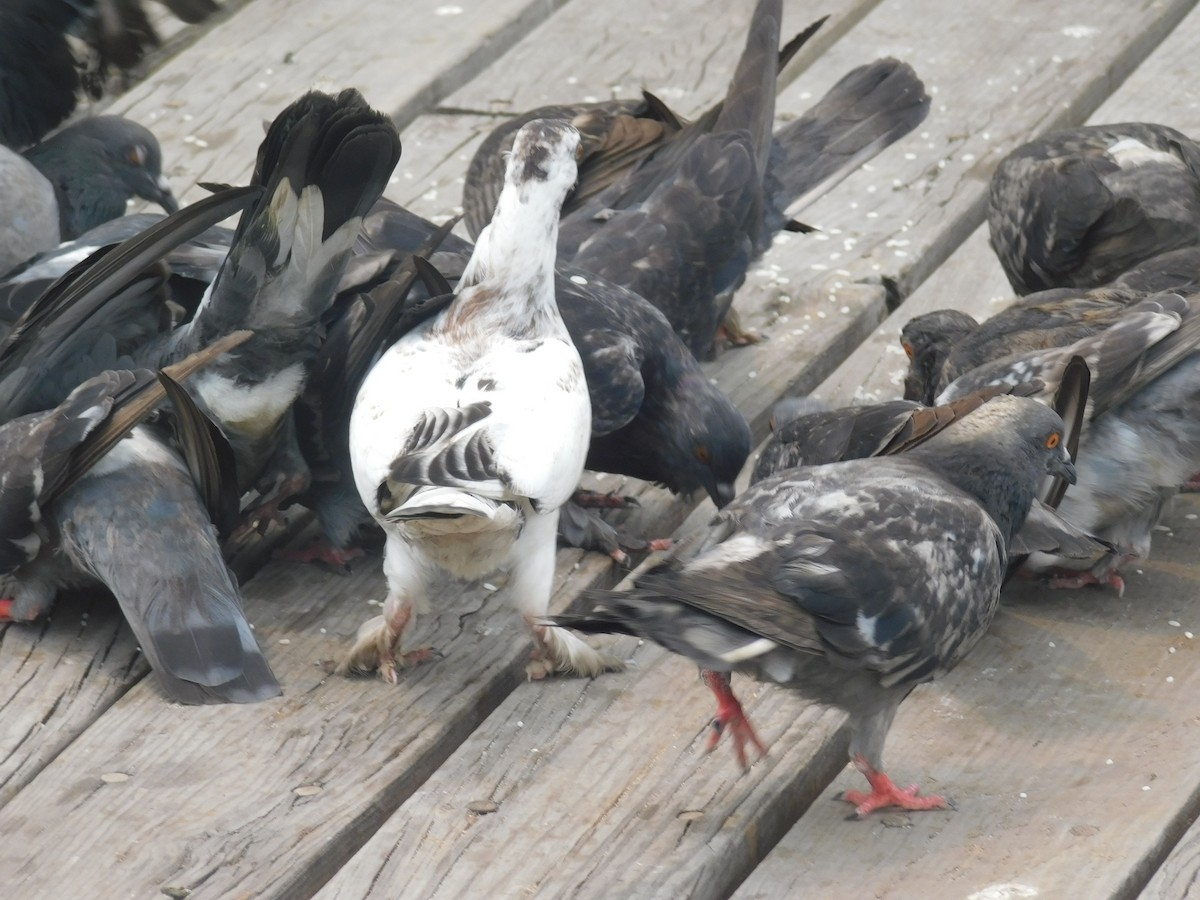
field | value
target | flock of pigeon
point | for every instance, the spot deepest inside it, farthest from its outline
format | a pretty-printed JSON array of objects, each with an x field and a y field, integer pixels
[{"x": 165, "y": 380}]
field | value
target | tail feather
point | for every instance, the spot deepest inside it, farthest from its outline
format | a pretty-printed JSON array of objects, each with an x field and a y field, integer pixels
[
  {"x": 750, "y": 100},
  {"x": 870, "y": 108},
  {"x": 324, "y": 162},
  {"x": 176, "y": 592}
]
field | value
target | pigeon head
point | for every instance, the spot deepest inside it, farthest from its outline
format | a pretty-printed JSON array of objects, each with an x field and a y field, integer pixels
[
  {"x": 1000, "y": 454},
  {"x": 546, "y": 152},
  {"x": 96, "y": 166},
  {"x": 927, "y": 342},
  {"x": 706, "y": 440}
]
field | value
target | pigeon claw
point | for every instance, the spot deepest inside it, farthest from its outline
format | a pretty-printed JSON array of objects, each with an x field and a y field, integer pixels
[
  {"x": 1084, "y": 579},
  {"x": 6, "y": 605},
  {"x": 884, "y": 793},
  {"x": 732, "y": 718},
  {"x": 375, "y": 648}
]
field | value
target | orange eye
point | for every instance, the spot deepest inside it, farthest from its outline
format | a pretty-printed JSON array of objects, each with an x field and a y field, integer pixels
[
  {"x": 137, "y": 155},
  {"x": 1053, "y": 440},
  {"x": 908, "y": 350},
  {"x": 702, "y": 454}
]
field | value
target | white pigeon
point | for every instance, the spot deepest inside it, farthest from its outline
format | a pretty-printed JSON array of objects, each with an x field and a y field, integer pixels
[{"x": 471, "y": 430}]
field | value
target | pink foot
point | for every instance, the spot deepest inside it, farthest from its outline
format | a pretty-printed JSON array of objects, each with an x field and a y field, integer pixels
[
  {"x": 884, "y": 793},
  {"x": 730, "y": 717},
  {"x": 6, "y": 606},
  {"x": 1084, "y": 579},
  {"x": 320, "y": 551}
]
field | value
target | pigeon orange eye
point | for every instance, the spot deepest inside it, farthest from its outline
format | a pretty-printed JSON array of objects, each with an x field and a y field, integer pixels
[
  {"x": 1053, "y": 440},
  {"x": 702, "y": 454},
  {"x": 137, "y": 155},
  {"x": 908, "y": 350}
]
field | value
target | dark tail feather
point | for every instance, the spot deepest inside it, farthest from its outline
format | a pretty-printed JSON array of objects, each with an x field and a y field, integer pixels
[
  {"x": 870, "y": 108},
  {"x": 750, "y": 100}
]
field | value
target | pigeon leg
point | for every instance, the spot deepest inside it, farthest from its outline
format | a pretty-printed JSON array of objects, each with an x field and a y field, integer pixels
[
  {"x": 531, "y": 583},
  {"x": 597, "y": 500},
  {"x": 732, "y": 332},
  {"x": 1083, "y": 579},
  {"x": 885, "y": 793},
  {"x": 321, "y": 551},
  {"x": 730, "y": 717},
  {"x": 379, "y": 638},
  {"x": 6, "y": 605}
]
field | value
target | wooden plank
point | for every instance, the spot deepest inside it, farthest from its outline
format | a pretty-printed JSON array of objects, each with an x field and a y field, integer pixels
[
  {"x": 404, "y": 57},
  {"x": 56, "y": 678},
  {"x": 223, "y": 800},
  {"x": 1061, "y": 686},
  {"x": 566, "y": 832}
]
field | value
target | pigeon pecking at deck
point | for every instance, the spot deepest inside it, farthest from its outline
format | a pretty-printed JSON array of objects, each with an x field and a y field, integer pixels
[{"x": 851, "y": 582}]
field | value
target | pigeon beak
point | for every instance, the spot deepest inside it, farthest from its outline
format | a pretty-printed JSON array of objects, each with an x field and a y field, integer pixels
[
  {"x": 158, "y": 190},
  {"x": 724, "y": 492},
  {"x": 165, "y": 198},
  {"x": 1060, "y": 465}
]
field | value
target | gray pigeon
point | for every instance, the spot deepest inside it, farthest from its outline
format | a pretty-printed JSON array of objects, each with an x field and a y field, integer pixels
[
  {"x": 30, "y": 221},
  {"x": 655, "y": 414},
  {"x": 96, "y": 166},
  {"x": 1083, "y": 207},
  {"x": 1141, "y": 435},
  {"x": 471, "y": 430},
  {"x": 946, "y": 343},
  {"x": 855, "y": 581},
  {"x": 90, "y": 496}
]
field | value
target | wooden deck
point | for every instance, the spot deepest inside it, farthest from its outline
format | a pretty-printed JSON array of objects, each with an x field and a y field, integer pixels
[{"x": 1070, "y": 737}]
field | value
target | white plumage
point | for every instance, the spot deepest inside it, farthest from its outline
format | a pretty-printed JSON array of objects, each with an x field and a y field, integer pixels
[{"x": 471, "y": 431}]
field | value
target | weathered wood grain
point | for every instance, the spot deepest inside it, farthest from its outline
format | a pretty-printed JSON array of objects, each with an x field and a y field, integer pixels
[
  {"x": 268, "y": 799},
  {"x": 1067, "y": 735},
  {"x": 56, "y": 677}
]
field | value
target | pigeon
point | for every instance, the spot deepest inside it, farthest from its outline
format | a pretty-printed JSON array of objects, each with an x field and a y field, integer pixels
[
  {"x": 676, "y": 212},
  {"x": 655, "y": 414},
  {"x": 75, "y": 181},
  {"x": 96, "y": 166},
  {"x": 851, "y": 582},
  {"x": 1141, "y": 432},
  {"x": 53, "y": 50},
  {"x": 84, "y": 483},
  {"x": 471, "y": 430},
  {"x": 323, "y": 163},
  {"x": 943, "y": 344},
  {"x": 45, "y": 453},
  {"x": 1082, "y": 207},
  {"x": 805, "y": 432},
  {"x": 30, "y": 222}
]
